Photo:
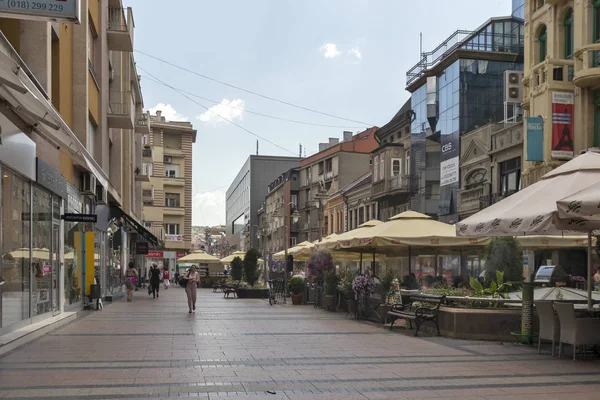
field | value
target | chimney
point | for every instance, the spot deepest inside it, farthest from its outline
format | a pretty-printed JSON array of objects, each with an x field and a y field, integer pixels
[
  {"x": 158, "y": 114},
  {"x": 333, "y": 141},
  {"x": 348, "y": 136},
  {"x": 323, "y": 146}
]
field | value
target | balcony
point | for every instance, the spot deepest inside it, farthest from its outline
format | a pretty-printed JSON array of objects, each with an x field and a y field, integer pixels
[
  {"x": 142, "y": 123},
  {"x": 174, "y": 211},
  {"x": 469, "y": 200},
  {"x": 171, "y": 181},
  {"x": 120, "y": 30},
  {"x": 587, "y": 66},
  {"x": 140, "y": 176},
  {"x": 121, "y": 110},
  {"x": 489, "y": 199},
  {"x": 395, "y": 184},
  {"x": 328, "y": 175}
]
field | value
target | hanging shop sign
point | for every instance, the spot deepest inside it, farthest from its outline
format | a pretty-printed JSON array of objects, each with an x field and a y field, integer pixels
[
  {"x": 42, "y": 10},
  {"x": 142, "y": 248},
  {"x": 155, "y": 254},
  {"x": 562, "y": 125},
  {"x": 180, "y": 254},
  {"x": 173, "y": 238}
]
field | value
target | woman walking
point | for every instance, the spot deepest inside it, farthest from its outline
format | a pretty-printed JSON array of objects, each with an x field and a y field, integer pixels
[
  {"x": 155, "y": 280},
  {"x": 192, "y": 277},
  {"x": 166, "y": 277},
  {"x": 130, "y": 280}
]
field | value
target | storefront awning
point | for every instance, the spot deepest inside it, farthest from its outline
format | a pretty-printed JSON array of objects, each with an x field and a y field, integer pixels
[
  {"x": 24, "y": 97},
  {"x": 117, "y": 212}
]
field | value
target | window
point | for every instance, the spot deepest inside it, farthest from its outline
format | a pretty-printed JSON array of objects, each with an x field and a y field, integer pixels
[
  {"x": 294, "y": 200},
  {"x": 147, "y": 193},
  {"x": 146, "y": 152},
  {"x": 396, "y": 166},
  {"x": 407, "y": 167},
  {"x": 376, "y": 169},
  {"x": 361, "y": 215},
  {"x": 91, "y": 136},
  {"x": 147, "y": 169},
  {"x": 543, "y": 39},
  {"x": 172, "y": 229},
  {"x": 171, "y": 199},
  {"x": 293, "y": 241},
  {"x": 172, "y": 171},
  {"x": 382, "y": 167},
  {"x": 148, "y": 225},
  {"x": 91, "y": 48},
  {"x": 569, "y": 35},
  {"x": 329, "y": 165},
  {"x": 148, "y": 203},
  {"x": 510, "y": 176}
]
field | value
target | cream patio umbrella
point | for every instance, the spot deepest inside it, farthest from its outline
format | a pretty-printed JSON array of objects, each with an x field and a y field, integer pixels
[
  {"x": 229, "y": 258},
  {"x": 293, "y": 250},
  {"x": 200, "y": 257},
  {"x": 534, "y": 210}
]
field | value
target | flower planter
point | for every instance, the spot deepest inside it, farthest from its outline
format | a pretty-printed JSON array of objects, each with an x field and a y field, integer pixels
[
  {"x": 297, "y": 299},
  {"x": 249, "y": 293},
  {"x": 352, "y": 307},
  {"x": 329, "y": 302}
]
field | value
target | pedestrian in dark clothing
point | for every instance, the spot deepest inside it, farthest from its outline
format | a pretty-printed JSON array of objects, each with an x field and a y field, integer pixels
[
  {"x": 177, "y": 278},
  {"x": 155, "y": 280}
]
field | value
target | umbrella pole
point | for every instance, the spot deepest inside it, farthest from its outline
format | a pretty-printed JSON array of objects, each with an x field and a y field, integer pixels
[
  {"x": 409, "y": 260},
  {"x": 360, "y": 263},
  {"x": 589, "y": 272},
  {"x": 373, "y": 265}
]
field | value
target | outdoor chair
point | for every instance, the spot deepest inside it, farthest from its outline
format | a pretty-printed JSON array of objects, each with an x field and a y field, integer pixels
[
  {"x": 549, "y": 324},
  {"x": 576, "y": 331}
]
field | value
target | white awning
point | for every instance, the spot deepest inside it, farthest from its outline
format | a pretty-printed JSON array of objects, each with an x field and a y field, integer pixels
[{"x": 23, "y": 97}]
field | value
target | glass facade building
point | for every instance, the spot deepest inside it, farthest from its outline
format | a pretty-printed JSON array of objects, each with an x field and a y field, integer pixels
[
  {"x": 469, "y": 92},
  {"x": 518, "y": 9}
]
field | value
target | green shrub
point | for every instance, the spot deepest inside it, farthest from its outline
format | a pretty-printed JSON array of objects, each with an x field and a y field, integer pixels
[
  {"x": 251, "y": 266},
  {"x": 504, "y": 254},
  {"x": 387, "y": 280},
  {"x": 331, "y": 282},
  {"x": 236, "y": 269},
  {"x": 296, "y": 285}
]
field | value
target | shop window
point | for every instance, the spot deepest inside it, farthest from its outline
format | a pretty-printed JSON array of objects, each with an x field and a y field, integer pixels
[
  {"x": 569, "y": 35},
  {"x": 15, "y": 261},
  {"x": 543, "y": 43}
]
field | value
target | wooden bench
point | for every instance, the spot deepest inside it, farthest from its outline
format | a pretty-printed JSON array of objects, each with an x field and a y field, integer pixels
[
  {"x": 230, "y": 288},
  {"x": 422, "y": 308}
]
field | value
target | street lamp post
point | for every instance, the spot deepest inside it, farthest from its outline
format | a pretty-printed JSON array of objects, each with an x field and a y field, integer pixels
[{"x": 295, "y": 216}]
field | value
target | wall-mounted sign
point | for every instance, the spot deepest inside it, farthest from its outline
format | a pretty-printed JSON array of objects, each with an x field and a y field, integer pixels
[
  {"x": 449, "y": 161},
  {"x": 51, "y": 179},
  {"x": 562, "y": 125},
  {"x": 155, "y": 254},
  {"x": 44, "y": 10},
  {"x": 141, "y": 248},
  {"x": 180, "y": 254},
  {"x": 174, "y": 238},
  {"x": 91, "y": 218}
]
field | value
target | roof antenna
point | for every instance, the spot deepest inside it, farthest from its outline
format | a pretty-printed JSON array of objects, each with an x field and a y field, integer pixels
[{"x": 256, "y": 146}]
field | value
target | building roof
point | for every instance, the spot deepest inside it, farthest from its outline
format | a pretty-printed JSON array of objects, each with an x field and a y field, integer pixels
[
  {"x": 366, "y": 178},
  {"x": 402, "y": 117},
  {"x": 363, "y": 142}
]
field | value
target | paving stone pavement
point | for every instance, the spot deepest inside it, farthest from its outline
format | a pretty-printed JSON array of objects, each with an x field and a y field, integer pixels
[{"x": 246, "y": 349}]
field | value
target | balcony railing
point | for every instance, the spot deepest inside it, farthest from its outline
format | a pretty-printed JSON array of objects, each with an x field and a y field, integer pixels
[
  {"x": 392, "y": 185},
  {"x": 142, "y": 123},
  {"x": 489, "y": 199},
  {"x": 587, "y": 66},
  {"x": 469, "y": 200},
  {"x": 120, "y": 29},
  {"x": 328, "y": 175},
  {"x": 121, "y": 110}
]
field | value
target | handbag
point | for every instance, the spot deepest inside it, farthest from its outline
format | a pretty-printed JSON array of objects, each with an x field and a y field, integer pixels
[
  {"x": 183, "y": 282},
  {"x": 149, "y": 290}
]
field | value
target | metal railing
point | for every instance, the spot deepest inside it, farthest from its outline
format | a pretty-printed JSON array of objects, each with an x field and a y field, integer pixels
[
  {"x": 489, "y": 199},
  {"x": 120, "y": 102}
]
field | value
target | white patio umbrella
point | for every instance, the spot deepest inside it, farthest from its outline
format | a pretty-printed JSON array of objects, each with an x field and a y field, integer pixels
[{"x": 534, "y": 210}]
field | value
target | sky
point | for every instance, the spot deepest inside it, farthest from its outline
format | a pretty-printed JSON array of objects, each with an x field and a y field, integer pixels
[{"x": 345, "y": 58}]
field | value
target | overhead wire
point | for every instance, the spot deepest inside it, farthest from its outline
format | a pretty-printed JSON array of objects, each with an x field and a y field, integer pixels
[
  {"x": 249, "y": 91},
  {"x": 256, "y": 112},
  {"x": 219, "y": 115}
]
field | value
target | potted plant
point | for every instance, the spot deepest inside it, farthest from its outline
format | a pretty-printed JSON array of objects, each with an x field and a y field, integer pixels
[
  {"x": 319, "y": 265},
  {"x": 364, "y": 286},
  {"x": 296, "y": 286},
  {"x": 348, "y": 292},
  {"x": 387, "y": 291},
  {"x": 331, "y": 282}
]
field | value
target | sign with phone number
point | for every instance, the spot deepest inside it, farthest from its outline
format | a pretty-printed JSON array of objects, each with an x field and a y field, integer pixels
[{"x": 53, "y": 10}]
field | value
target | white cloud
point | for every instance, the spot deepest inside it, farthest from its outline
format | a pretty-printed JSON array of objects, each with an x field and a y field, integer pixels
[
  {"x": 355, "y": 52},
  {"x": 209, "y": 208},
  {"x": 231, "y": 110},
  {"x": 168, "y": 112},
  {"x": 330, "y": 50}
]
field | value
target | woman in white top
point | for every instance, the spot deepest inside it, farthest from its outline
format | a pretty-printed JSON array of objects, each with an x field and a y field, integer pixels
[{"x": 192, "y": 277}]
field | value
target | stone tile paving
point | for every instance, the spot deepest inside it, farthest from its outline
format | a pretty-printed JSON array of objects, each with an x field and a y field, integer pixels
[{"x": 246, "y": 349}]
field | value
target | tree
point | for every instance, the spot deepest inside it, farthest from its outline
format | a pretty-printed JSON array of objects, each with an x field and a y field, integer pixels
[
  {"x": 504, "y": 254},
  {"x": 251, "y": 266},
  {"x": 236, "y": 269}
]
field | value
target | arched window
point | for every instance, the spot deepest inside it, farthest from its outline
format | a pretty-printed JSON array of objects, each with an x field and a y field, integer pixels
[
  {"x": 476, "y": 178},
  {"x": 569, "y": 35},
  {"x": 543, "y": 39}
]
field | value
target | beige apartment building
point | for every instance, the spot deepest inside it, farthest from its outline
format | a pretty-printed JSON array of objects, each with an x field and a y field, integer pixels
[
  {"x": 71, "y": 143},
  {"x": 166, "y": 176},
  {"x": 562, "y": 82}
]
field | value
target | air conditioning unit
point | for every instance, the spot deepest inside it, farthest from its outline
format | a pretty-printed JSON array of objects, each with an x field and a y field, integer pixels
[
  {"x": 101, "y": 195},
  {"x": 513, "y": 86},
  {"x": 168, "y": 160},
  {"x": 88, "y": 184}
]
